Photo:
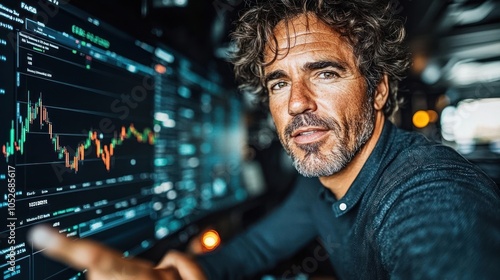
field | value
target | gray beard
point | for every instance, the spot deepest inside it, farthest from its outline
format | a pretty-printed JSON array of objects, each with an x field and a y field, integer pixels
[{"x": 316, "y": 164}]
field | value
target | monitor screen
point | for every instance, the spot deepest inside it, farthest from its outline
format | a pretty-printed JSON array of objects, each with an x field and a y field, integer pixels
[{"x": 105, "y": 136}]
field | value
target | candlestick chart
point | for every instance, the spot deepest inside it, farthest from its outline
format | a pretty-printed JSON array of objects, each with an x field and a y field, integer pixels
[
  {"x": 72, "y": 119},
  {"x": 37, "y": 114}
]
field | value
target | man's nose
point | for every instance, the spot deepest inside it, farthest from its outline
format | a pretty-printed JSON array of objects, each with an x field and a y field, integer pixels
[{"x": 302, "y": 99}]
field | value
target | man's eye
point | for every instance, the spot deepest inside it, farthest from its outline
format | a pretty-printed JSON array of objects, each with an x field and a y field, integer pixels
[
  {"x": 278, "y": 86},
  {"x": 328, "y": 75}
]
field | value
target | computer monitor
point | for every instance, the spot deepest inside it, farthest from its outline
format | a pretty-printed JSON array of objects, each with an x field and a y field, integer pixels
[{"x": 105, "y": 136}]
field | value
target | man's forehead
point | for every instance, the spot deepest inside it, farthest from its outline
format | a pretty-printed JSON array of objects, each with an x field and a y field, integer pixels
[
  {"x": 306, "y": 31},
  {"x": 300, "y": 25}
]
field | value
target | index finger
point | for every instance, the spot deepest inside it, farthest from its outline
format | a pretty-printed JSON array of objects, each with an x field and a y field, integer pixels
[{"x": 85, "y": 254}]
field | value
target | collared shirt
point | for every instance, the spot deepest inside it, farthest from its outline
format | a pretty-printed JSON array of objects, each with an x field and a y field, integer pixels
[{"x": 417, "y": 210}]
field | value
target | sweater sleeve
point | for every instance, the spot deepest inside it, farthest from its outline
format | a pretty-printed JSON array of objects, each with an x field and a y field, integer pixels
[
  {"x": 444, "y": 225},
  {"x": 287, "y": 229}
]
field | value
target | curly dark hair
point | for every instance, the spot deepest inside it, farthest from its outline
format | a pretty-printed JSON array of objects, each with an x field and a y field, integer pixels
[{"x": 372, "y": 28}]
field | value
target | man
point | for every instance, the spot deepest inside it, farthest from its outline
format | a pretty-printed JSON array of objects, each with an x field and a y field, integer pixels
[{"x": 389, "y": 203}]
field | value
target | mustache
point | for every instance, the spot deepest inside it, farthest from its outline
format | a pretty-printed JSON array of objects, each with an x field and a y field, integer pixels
[{"x": 310, "y": 119}]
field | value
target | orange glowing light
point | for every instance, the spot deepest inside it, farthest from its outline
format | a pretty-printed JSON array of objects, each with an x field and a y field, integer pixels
[
  {"x": 160, "y": 69},
  {"x": 210, "y": 240},
  {"x": 421, "y": 119}
]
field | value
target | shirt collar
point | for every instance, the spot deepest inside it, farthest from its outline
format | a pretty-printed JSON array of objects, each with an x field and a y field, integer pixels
[{"x": 365, "y": 176}]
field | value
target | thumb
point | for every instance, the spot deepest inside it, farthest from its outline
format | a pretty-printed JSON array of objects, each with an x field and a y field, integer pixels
[{"x": 186, "y": 265}]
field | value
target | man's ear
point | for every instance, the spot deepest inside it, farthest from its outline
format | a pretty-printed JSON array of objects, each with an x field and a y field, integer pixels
[{"x": 381, "y": 93}]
